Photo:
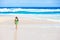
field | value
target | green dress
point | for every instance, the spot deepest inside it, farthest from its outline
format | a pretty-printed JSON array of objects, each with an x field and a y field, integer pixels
[{"x": 16, "y": 21}]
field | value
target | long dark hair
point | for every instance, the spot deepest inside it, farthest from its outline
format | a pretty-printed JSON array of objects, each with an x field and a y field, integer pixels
[{"x": 16, "y": 18}]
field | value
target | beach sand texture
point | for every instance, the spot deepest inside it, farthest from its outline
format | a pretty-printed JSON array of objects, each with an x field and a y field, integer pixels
[{"x": 29, "y": 28}]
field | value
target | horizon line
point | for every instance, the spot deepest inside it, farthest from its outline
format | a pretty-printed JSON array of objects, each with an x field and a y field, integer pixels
[{"x": 34, "y": 7}]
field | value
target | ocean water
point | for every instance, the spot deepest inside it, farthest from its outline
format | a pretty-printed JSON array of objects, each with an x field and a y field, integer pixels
[
  {"x": 28, "y": 11},
  {"x": 52, "y": 14}
]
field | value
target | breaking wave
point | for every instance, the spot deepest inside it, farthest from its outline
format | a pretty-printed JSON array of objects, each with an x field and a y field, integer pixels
[{"x": 28, "y": 10}]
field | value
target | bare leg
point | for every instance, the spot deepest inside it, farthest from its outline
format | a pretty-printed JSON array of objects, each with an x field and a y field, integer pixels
[{"x": 16, "y": 27}]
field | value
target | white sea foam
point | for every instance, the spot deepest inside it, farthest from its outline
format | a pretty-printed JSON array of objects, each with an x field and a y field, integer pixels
[{"x": 28, "y": 10}]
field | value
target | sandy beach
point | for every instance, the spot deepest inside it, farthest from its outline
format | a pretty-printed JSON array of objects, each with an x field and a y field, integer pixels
[{"x": 30, "y": 27}]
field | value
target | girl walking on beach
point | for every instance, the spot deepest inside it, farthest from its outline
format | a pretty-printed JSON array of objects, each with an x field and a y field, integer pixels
[{"x": 16, "y": 21}]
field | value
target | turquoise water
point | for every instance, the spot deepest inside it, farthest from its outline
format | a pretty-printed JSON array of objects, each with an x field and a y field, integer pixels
[
  {"x": 43, "y": 13},
  {"x": 28, "y": 11},
  {"x": 22, "y": 12},
  {"x": 48, "y": 14}
]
